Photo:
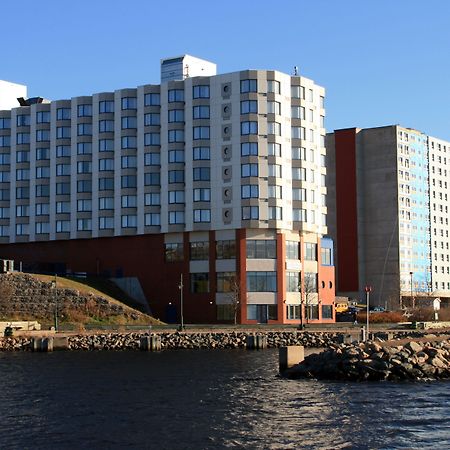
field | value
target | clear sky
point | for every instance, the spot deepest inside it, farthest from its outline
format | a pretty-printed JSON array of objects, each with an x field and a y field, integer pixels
[{"x": 382, "y": 62}]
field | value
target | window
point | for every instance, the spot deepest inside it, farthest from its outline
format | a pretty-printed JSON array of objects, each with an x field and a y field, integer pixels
[
  {"x": 200, "y": 91},
  {"x": 201, "y": 153},
  {"x": 129, "y": 162},
  {"x": 5, "y": 123},
  {"x": 310, "y": 282},
  {"x": 173, "y": 252},
  {"x": 106, "y": 126},
  {"x": 129, "y": 122},
  {"x": 105, "y": 164},
  {"x": 42, "y": 190},
  {"x": 298, "y": 132},
  {"x": 84, "y": 186},
  {"x": 199, "y": 251},
  {"x": 106, "y": 223},
  {"x": 21, "y": 229},
  {"x": 226, "y": 281},
  {"x": 42, "y": 209},
  {"x": 21, "y": 156},
  {"x": 310, "y": 251},
  {"x": 152, "y": 99},
  {"x": 152, "y": 119},
  {"x": 327, "y": 311},
  {"x": 4, "y": 213},
  {"x": 292, "y": 312},
  {"x": 42, "y": 154},
  {"x": 5, "y": 141},
  {"x": 129, "y": 103},
  {"x": 201, "y": 133},
  {"x": 84, "y": 167},
  {"x": 249, "y": 86},
  {"x": 176, "y": 197},
  {"x": 261, "y": 249},
  {"x": 22, "y": 174},
  {"x": 200, "y": 112},
  {"x": 202, "y": 215},
  {"x": 23, "y": 120},
  {"x": 274, "y": 108},
  {"x": 202, "y": 195},
  {"x": 299, "y": 153},
  {"x": 152, "y": 219},
  {"x": 24, "y": 138},
  {"x": 249, "y": 107},
  {"x": 250, "y": 191},
  {"x": 249, "y": 149},
  {"x": 63, "y": 114},
  {"x": 175, "y": 95},
  {"x": 298, "y": 112},
  {"x": 275, "y": 213},
  {"x": 62, "y": 132},
  {"x": 62, "y": 151},
  {"x": 292, "y": 281},
  {"x": 62, "y": 188},
  {"x": 129, "y": 142},
  {"x": 129, "y": 201},
  {"x": 62, "y": 170},
  {"x": 176, "y": 135},
  {"x": 249, "y": 170},
  {"x": 299, "y": 215},
  {"x": 105, "y": 203},
  {"x": 84, "y": 224},
  {"x": 226, "y": 249},
  {"x": 199, "y": 283},
  {"x": 298, "y": 92},
  {"x": 22, "y": 211},
  {"x": 5, "y": 158},
  {"x": 299, "y": 194},
  {"x": 129, "y": 221},
  {"x": 176, "y": 115},
  {"x": 84, "y": 148},
  {"x": 299, "y": 173},
  {"x": 176, "y": 156},
  {"x": 261, "y": 281},
  {"x": 42, "y": 172},
  {"x": 326, "y": 258},
  {"x": 275, "y": 191},
  {"x": 152, "y": 179},
  {"x": 250, "y": 213},
  {"x": 4, "y": 176},
  {"x": 152, "y": 199},
  {"x": 84, "y": 205},
  {"x": 62, "y": 226},
  {"x": 201, "y": 174},
  {"x": 176, "y": 176},
  {"x": 176, "y": 217},
  {"x": 152, "y": 159},
  {"x": 84, "y": 129},
  {"x": 128, "y": 181},
  {"x": 21, "y": 192},
  {"x": 152, "y": 139},
  {"x": 84, "y": 110},
  {"x": 106, "y": 184},
  {"x": 275, "y": 170},
  {"x": 273, "y": 86},
  {"x": 274, "y": 149},
  {"x": 4, "y": 194},
  {"x": 292, "y": 250},
  {"x": 249, "y": 128},
  {"x": 106, "y": 106}
]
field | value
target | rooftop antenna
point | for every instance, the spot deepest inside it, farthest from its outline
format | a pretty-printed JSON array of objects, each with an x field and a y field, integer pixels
[
  {"x": 186, "y": 68},
  {"x": 295, "y": 71}
]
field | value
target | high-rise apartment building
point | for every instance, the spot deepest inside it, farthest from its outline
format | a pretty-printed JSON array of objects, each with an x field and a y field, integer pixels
[
  {"x": 388, "y": 213},
  {"x": 219, "y": 178}
]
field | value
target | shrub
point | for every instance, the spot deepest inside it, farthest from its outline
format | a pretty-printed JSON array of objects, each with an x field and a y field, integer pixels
[{"x": 381, "y": 317}]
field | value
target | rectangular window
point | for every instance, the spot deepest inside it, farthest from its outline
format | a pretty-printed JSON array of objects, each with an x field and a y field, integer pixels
[
  {"x": 5, "y": 141},
  {"x": 129, "y": 142},
  {"x": 176, "y": 197},
  {"x": 176, "y": 136},
  {"x": 129, "y": 162},
  {"x": 202, "y": 215},
  {"x": 176, "y": 156},
  {"x": 250, "y": 213},
  {"x": 292, "y": 281},
  {"x": 5, "y": 123},
  {"x": 129, "y": 103},
  {"x": 201, "y": 153},
  {"x": 275, "y": 191},
  {"x": 63, "y": 114},
  {"x": 152, "y": 199},
  {"x": 249, "y": 107},
  {"x": 129, "y": 221},
  {"x": 21, "y": 156},
  {"x": 249, "y": 149},
  {"x": 22, "y": 211},
  {"x": 106, "y": 126},
  {"x": 200, "y": 112},
  {"x": 84, "y": 129},
  {"x": 226, "y": 249},
  {"x": 298, "y": 92},
  {"x": 299, "y": 215},
  {"x": 129, "y": 122},
  {"x": 248, "y": 128},
  {"x": 261, "y": 281},
  {"x": 202, "y": 195},
  {"x": 62, "y": 151},
  {"x": 22, "y": 174},
  {"x": 274, "y": 149},
  {"x": 84, "y": 186},
  {"x": 63, "y": 226},
  {"x": 152, "y": 159},
  {"x": 176, "y": 176},
  {"x": 249, "y": 86},
  {"x": 176, "y": 217},
  {"x": 42, "y": 154},
  {"x": 250, "y": 191},
  {"x": 249, "y": 170},
  {"x": 152, "y": 179},
  {"x": 42, "y": 227},
  {"x": 226, "y": 281},
  {"x": 105, "y": 203},
  {"x": 152, "y": 99},
  {"x": 62, "y": 188},
  {"x": 298, "y": 132},
  {"x": 299, "y": 153},
  {"x": 62, "y": 132},
  {"x": 84, "y": 110},
  {"x": 292, "y": 250},
  {"x": 5, "y": 158},
  {"x": 299, "y": 173},
  {"x": 326, "y": 258},
  {"x": 106, "y": 223},
  {"x": 106, "y": 184},
  {"x": 4, "y": 176},
  {"x": 84, "y": 167},
  {"x": 175, "y": 95},
  {"x": 42, "y": 190},
  {"x": 152, "y": 139},
  {"x": 24, "y": 138},
  {"x": 199, "y": 283},
  {"x": 42, "y": 209},
  {"x": 173, "y": 252},
  {"x": 84, "y": 224},
  {"x": 42, "y": 172},
  {"x": 273, "y": 86},
  {"x": 176, "y": 115},
  {"x": 84, "y": 148},
  {"x": 274, "y": 108},
  {"x": 275, "y": 170},
  {"x": 199, "y": 251},
  {"x": 201, "y": 133},
  {"x": 106, "y": 106},
  {"x": 200, "y": 91},
  {"x": 261, "y": 249},
  {"x": 310, "y": 251},
  {"x": 298, "y": 112},
  {"x": 84, "y": 205},
  {"x": 275, "y": 213},
  {"x": 152, "y": 219},
  {"x": 62, "y": 170},
  {"x": 152, "y": 119},
  {"x": 23, "y": 120},
  {"x": 201, "y": 174},
  {"x": 299, "y": 194},
  {"x": 128, "y": 181},
  {"x": 105, "y": 164},
  {"x": 129, "y": 201},
  {"x": 327, "y": 311}
]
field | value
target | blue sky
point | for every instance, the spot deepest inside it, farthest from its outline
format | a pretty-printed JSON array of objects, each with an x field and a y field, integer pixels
[{"x": 382, "y": 61}]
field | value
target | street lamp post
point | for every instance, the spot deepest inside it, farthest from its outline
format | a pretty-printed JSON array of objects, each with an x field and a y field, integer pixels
[
  {"x": 180, "y": 287},
  {"x": 368, "y": 289},
  {"x": 55, "y": 298},
  {"x": 412, "y": 298}
]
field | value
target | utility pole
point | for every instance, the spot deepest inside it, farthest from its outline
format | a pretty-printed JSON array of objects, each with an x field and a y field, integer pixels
[
  {"x": 180, "y": 287},
  {"x": 55, "y": 298},
  {"x": 368, "y": 290}
]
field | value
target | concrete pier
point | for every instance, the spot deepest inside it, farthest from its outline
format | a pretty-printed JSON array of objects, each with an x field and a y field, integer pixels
[
  {"x": 256, "y": 342},
  {"x": 290, "y": 356},
  {"x": 150, "y": 343},
  {"x": 42, "y": 344}
]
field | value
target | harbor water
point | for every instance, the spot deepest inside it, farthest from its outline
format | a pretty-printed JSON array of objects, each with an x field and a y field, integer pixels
[{"x": 199, "y": 399}]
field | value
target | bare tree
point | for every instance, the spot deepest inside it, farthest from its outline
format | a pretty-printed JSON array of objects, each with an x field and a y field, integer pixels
[
  {"x": 235, "y": 296},
  {"x": 308, "y": 291}
]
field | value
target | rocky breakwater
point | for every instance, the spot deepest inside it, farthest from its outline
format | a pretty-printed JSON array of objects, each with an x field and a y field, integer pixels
[{"x": 372, "y": 361}]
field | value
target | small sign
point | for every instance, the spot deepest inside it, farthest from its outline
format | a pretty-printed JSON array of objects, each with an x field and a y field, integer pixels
[{"x": 368, "y": 288}]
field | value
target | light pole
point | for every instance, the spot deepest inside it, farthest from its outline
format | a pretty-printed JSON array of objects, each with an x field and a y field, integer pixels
[
  {"x": 55, "y": 298},
  {"x": 412, "y": 298},
  {"x": 180, "y": 287},
  {"x": 368, "y": 289}
]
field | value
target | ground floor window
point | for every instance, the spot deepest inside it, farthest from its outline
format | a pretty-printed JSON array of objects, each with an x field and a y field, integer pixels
[
  {"x": 262, "y": 313},
  {"x": 293, "y": 312},
  {"x": 312, "y": 312},
  {"x": 225, "y": 312},
  {"x": 199, "y": 283},
  {"x": 327, "y": 311}
]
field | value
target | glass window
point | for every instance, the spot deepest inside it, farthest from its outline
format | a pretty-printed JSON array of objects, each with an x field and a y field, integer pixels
[
  {"x": 299, "y": 153},
  {"x": 152, "y": 219},
  {"x": 275, "y": 170},
  {"x": 62, "y": 188},
  {"x": 106, "y": 145},
  {"x": 5, "y": 141},
  {"x": 274, "y": 108},
  {"x": 261, "y": 281},
  {"x": 226, "y": 249},
  {"x": 84, "y": 224},
  {"x": 292, "y": 281},
  {"x": 84, "y": 110},
  {"x": 199, "y": 283},
  {"x": 249, "y": 128},
  {"x": 42, "y": 172},
  {"x": 129, "y": 142},
  {"x": 152, "y": 199},
  {"x": 84, "y": 129},
  {"x": 274, "y": 149},
  {"x": 310, "y": 251},
  {"x": 152, "y": 119},
  {"x": 176, "y": 176},
  {"x": 106, "y": 126},
  {"x": 63, "y": 226},
  {"x": 42, "y": 190},
  {"x": 261, "y": 249},
  {"x": 84, "y": 186},
  {"x": 175, "y": 95},
  {"x": 298, "y": 92},
  {"x": 42, "y": 227},
  {"x": 42, "y": 154},
  {"x": 173, "y": 252},
  {"x": 273, "y": 86},
  {"x": 4, "y": 176},
  {"x": 202, "y": 215},
  {"x": 152, "y": 139},
  {"x": 21, "y": 156},
  {"x": 199, "y": 251},
  {"x": 250, "y": 191},
  {"x": 298, "y": 112},
  {"x": 106, "y": 223},
  {"x": 106, "y": 106},
  {"x": 249, "y": 86},
  {"x": 62, "y": 170},
  {"x": 129, "y": 103},
  {"x": 129, "y": 122},
  {"x": 5, "y": 123},
  {"x": 176, "y": 115},
  {"x": 152, "y": 99},
  {"x": 22, "y": 174},
  {"x": 106, "y": 184},
  {"x": 106, "y": 203},
  {"x": 176, "y": 197},
  {"x": 129, "y": 221},
  {"x": 292, "y": 250},
  {"x": 201, "y": 133},
  {"x": 152, "y": 159},
  {"x": 23, "y": 120},
  {"x": 84, "y": 205},
  {"x": 62, "y": 151},
  {"x": 42, "y": 209},
  {"x": 226, "y": 281},
  {"x": 176, "y": 217},
  {"x": 202, "y": 195},
  {"x": 249, "y": 107},
  {"x": 201, "y": 153},
  {"x": 201, "y": 174},
  {"x": 326, "y": 258},
  {"x": 129, "y": 162},
  {"x": 152, "y": 179},
  {"x": 5, "y": 158},
  {"x": 249, "y": 170},
  {"x": 200, "y": 112},
  {"x": 249, "y": 149},
  {"x": 275, "y": 213},
  {"x": 84, "y": 148},
  {"x": 24, "y": 138},
  {"x": 200, "y": 91},
  {"x": 21, "y": 192},
  {"x": 176, "y": 135},
  {"x": 105, "y": 164},
  {"x": 176, "y": 156},
  {"x": 327, "y": 311},
  {"x": 250, "y": 213},
  {"x": 128, "y": 181},
  {"x": 275, "y": 191},
  {"x": 63, "y": 114}
]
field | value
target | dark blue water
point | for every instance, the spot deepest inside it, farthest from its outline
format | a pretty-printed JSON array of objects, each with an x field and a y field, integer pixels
[{"x": 206, "y": 400}]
